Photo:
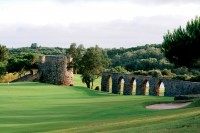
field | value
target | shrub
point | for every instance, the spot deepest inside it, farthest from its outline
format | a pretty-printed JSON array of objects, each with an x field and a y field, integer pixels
[
  {"x": 181, "y": 71},
  {"x": 195, "y": 72},
  {"x": 186, "y": 97},
  {"x": 155, "y": 73},
  {"x": 119, "y": 69},
  {"x": 195, "y": 79},
  {"x": 182, "y": 77},
  {"x": 166, "y": 72},
  {"x": 9, "y": 77},
  {"x": 140, "y": 72}
]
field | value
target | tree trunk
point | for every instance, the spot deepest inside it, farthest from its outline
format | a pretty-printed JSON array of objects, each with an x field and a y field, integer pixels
[
  {"x": 88, "y": 84},
  {"x": 92, "y": 85}
]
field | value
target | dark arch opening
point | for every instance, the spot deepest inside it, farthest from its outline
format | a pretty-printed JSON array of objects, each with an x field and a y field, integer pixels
[
  {"x": 133, "y": 86},
  {"x": 109, "y": 83},
  {"x": 145, "y": 87},
  {"x": 160, "y": 89},
  {"x": 121, "y": 85}
]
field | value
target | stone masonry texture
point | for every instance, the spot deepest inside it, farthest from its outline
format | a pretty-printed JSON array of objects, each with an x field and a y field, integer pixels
[
  {"x": 172, "y": 87},
  {"x": 53, "y": 70}
]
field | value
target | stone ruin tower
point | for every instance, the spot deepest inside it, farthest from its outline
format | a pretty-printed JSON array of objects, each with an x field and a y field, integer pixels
[{"x": 53, "y": 70}]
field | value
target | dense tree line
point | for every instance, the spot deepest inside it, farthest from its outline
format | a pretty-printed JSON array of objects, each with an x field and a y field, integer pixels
[
  {"x": 38, "y": 50},
  {"x": 146, "y": 57},
  {"x": 114, "y": 51}
]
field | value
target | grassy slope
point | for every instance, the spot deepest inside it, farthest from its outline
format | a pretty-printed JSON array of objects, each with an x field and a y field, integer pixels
[
  {"x": 78, "y": 82},
  {"x": 37, "y": 107}
]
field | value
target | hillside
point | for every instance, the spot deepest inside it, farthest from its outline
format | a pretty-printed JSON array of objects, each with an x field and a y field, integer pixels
[{"x": 39, "y": 50}]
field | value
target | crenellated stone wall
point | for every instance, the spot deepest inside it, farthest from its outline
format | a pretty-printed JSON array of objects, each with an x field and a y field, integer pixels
[
  {"x": 53, "y": 70},
  {"x": 172, "y": 87}
]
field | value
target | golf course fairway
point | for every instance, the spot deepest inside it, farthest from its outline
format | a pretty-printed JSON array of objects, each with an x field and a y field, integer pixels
[{"x": 27, "y": 107}]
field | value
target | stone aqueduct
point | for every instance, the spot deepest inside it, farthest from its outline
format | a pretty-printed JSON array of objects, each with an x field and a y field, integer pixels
[
  {"x": 53, "y": 70},
  {"x": 172, "y": 87}
]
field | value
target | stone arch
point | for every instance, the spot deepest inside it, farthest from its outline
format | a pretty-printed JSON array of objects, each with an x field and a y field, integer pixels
[
  {"x": 133, "y": 85},
  {"x": 145, "y": 87},
  {"x": 121, "y": 82},
  {"x": 109, "y": 83},
  {"x": 160, "y": 88}
]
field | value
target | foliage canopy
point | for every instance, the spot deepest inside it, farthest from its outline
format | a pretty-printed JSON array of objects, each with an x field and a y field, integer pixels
[
  {"x": 93, "y": 63},
  {"x": 181, "y": 47},
  {"x": 3, "y": 58},
  {"x": 3, "y": 53}
]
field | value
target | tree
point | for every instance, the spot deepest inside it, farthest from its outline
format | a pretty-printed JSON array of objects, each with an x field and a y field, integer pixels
[
  {"x": 181, "y": 47},
  {"x": 76, "y": 53},
  {"x": 80, "y": 50},
  {"x": 3, "y": 53},
  {"x": 93, "y": 63},
  {"x": 2, "y": 69},
  {"x": 18, "y": 65},
  {"x": 33, "y": 59},
  {"x": 34, "y": 45},
  {"x": 3, "y": 59}
]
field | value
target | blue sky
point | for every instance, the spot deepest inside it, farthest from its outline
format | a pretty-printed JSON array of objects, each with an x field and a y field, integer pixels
[{"x": 108, "y": 23}]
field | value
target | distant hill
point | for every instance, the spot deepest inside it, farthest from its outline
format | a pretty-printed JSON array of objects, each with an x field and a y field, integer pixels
[
  {"x": 38, "y": 50},
  {"x": 113, "y": 51}
]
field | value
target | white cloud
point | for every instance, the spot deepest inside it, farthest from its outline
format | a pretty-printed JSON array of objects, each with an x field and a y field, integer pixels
[
  {"x": 118, "y": 33},
  {"x": 106, "y": 22},
  {"x": 43, "y": 12}
]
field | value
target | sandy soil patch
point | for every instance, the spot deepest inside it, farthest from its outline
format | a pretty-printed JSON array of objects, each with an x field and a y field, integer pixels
[{"x": 168, "y": 105}]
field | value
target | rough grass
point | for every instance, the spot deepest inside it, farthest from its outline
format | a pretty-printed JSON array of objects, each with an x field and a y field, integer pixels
[
  {"x": 37, "y": 107},
  {"x": 9, "y": 77}
]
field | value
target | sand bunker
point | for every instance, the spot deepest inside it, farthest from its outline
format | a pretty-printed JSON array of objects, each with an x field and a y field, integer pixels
[{"x": 168, "y": 105}]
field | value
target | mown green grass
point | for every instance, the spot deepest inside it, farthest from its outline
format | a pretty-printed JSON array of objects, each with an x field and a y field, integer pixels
[
  {"x": 37, "y": 107},
  {"x": 78, "y": 82}
]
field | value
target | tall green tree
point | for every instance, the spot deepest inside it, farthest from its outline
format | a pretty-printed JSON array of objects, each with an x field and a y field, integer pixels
[
  {"x": 181, "y": 47},
  {"x": 93, "y": 63},
  {"x": 76, "y": 53},
  {"x": 2, "y": 69},
  {"x": 3, "y": 59},
  {"x": 80, "y": 50},
  {"x": 3, "y": 53}
]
